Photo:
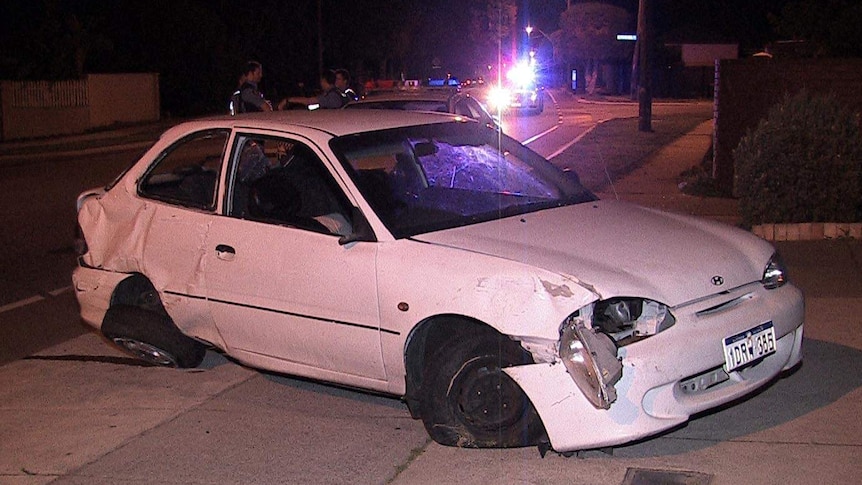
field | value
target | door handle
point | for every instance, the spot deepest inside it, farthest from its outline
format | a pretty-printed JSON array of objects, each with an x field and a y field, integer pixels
[{"x": 225, "y": 252}]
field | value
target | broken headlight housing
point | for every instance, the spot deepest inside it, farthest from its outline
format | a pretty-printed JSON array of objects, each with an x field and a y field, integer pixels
[
  {"x": 629, "y": 319},
  {"x": 591, "y": 359},
  {"x": 589, "y": 340},
  {"x": 775, "y": 274}
]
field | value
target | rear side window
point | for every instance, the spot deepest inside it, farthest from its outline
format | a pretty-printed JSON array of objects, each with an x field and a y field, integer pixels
[{"x": 187, "y": 173}]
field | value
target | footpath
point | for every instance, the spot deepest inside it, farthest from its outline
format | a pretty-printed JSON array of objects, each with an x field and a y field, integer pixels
[
  {"x": 83, "y": 413},
  {"x": 132, "y": 137}
]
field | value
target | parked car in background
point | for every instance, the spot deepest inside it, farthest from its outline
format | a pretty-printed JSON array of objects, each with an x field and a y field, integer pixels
[
  {"x": 440, "y": 100},
  {"x": 430, "y": 257}
]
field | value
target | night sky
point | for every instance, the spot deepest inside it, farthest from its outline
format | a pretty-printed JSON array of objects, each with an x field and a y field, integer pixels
[{"x": 198, "y": 46}]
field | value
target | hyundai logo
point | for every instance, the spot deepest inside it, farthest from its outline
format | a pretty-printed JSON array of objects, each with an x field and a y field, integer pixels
[{"x": 717, "y": 280}]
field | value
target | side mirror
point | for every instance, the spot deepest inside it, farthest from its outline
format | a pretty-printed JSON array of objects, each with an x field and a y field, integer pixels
[{"x": 361, "y": 229}]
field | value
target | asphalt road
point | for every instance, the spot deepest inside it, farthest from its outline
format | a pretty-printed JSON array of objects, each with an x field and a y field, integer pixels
[{"x": 38, "y": 233}]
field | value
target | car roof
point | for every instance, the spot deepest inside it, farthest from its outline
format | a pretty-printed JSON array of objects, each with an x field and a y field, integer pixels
[
  {"x": 336, "y": 122},
  {"x": 429, "y": 94}
]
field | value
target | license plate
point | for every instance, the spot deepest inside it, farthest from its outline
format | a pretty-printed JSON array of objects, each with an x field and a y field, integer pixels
[{"x": 748, "y": 346}]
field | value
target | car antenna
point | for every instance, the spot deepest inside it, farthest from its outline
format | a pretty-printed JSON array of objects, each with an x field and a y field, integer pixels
[{"x": 608, "y": 175}]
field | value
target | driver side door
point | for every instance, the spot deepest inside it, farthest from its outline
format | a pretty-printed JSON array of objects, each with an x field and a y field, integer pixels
[{"x": 285, "y": 295}]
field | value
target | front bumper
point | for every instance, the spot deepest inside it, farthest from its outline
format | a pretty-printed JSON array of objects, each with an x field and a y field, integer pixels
[{"x": 655, "y": 392}]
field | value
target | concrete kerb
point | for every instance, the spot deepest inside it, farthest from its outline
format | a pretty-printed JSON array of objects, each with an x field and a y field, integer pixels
[
  {"x": 21, "y": 158},
  {"x": 106, "y": 141},
  {"x": 808, "y": 231}
]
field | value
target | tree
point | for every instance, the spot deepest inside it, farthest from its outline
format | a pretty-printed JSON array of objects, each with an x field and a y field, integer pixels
[
  {"x": 492, "y": 22},
  {"x": 49, "y": 40},
  {"x": 587, "y": 37}
]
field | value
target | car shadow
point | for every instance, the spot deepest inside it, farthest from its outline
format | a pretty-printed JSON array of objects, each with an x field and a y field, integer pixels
[
  {"x": 828, "y": 372},
  {"x": 333, "y": 390}
]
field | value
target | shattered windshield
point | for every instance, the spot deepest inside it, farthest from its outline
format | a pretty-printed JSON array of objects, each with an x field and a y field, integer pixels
[{"x": 431, "y": 177}]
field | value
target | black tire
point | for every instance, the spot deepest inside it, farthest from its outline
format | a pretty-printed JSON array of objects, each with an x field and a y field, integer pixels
[
  {"x": 469, "y": 402},
  {"x": 151, "y": 337}
]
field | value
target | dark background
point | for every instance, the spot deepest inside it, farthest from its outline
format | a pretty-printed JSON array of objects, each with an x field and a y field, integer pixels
[{"x": 199, "y": 46}]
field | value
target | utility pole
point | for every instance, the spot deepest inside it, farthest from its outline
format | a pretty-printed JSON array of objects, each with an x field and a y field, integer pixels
[
  {"x": 644, "y": 75},
  {"x": 319, "y": 38}
]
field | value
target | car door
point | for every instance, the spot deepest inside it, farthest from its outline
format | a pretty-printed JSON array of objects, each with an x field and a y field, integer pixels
[
  {"x": 178, "y": 202},
  {"x": 284, "y": 294}
]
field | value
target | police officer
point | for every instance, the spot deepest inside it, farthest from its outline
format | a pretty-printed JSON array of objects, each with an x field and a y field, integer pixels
[
  {"x": 330, "y": 97},
  {"x": 342, "y": 82},
  {"x": 248, "y": 97}
]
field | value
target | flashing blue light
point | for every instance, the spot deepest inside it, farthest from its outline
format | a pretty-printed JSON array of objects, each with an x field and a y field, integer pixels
[{"x": 452, "y": 81}]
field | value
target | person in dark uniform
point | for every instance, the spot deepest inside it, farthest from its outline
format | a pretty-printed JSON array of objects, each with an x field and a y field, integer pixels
[
  {"x": 330, "y": 97},
  {"x": 248, "y": 98},
  {"x": 342, "y": 82}
]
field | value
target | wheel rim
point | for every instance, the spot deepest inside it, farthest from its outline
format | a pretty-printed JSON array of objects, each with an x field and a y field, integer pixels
[
  {"x": 147, "y": 352},
  {"x": 484, "y": 398}
]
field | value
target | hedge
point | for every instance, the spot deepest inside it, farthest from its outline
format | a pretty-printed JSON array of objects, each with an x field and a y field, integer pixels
[{"x": 803, "y": 163}]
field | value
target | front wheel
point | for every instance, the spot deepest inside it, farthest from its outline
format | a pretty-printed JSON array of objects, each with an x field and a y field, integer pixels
[
  {"x": 151, "y": 337},
  {"x": 468, "y": 401}
]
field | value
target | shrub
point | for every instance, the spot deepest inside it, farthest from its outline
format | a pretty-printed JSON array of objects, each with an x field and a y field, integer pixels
[{"x": 803, "y": 163}]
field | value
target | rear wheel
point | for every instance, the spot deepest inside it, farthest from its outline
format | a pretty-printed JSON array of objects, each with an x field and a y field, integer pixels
[
  {"x": 468, "y": 400},
  {"x": 151, "y": 336}
]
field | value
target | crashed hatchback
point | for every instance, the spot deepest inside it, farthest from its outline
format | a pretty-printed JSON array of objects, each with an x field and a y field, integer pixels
[{"x": 430, "y": 257}]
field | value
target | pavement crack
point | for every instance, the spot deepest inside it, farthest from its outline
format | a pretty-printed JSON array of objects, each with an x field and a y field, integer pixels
[{"x": 414, "y": 454}]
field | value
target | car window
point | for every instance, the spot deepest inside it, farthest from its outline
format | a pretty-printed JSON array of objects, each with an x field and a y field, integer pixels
[
  {"x": 187, "y": 173},
  {"x": 471, "y": 108},
  {"x": 282, "y": 181},
  {"x": 432, "y": 177},
  {"x": 463, "y": 107}
]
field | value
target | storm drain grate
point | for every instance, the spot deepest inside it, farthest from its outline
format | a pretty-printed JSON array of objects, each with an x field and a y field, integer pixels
[{"x": 643, "y": 476}]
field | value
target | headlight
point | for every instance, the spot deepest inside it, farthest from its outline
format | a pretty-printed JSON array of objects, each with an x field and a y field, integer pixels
[
  {"x": 499, "y": 98},
  {"x": 591, "y": 359},
  {"x": 775, "y": 274}
]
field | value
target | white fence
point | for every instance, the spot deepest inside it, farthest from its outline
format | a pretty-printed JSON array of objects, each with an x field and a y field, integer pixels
[
  {"x": 48, "y": 94},
  {"x": 45, "y": 108}
]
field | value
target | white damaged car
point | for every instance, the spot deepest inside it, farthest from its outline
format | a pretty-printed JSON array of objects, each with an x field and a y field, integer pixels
[{"x": 432, "y": 258}]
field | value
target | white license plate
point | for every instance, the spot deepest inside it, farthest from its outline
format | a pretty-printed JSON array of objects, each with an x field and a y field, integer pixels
[{"x": 748, "y": 346}]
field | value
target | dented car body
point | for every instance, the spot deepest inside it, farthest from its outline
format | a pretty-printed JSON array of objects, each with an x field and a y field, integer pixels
[{"x": 431, "y": 257}]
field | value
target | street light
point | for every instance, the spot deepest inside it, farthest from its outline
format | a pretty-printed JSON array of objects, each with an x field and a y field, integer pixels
[{"x": 529, "y": 29}]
